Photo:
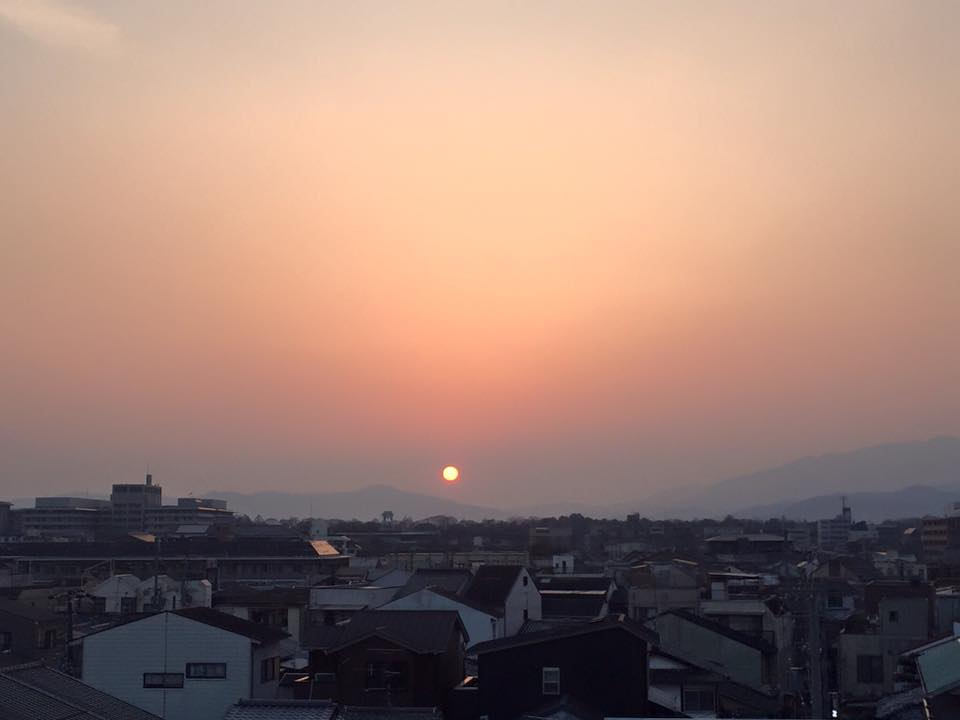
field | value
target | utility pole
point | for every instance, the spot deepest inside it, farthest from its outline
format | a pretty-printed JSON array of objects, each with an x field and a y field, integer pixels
[{"x": 815, "y": 648}]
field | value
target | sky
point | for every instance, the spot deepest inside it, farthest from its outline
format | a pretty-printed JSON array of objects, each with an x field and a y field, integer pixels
[{"x": 584, "y": 251}]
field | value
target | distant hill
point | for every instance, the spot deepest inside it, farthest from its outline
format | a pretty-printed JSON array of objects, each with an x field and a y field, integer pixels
[
  {"x": 365, "y": 503},
  {"x": 915, "y": 501},
  {"x": 933, "y": 463}
]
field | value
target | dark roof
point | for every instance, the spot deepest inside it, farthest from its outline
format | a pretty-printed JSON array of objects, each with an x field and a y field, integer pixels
[
  {"x": 585, "y": 607},
  {"x": 565, "y": 708},
  {"x": 611, "y": 622},
  {"x": 36, "y": 692},
  {"x": 420, "y": 631},
  {"x": 262, "y": 597},
  {"x": 282, "y": 710},
  {"x": 263, "y": 634},
  {"x": 573, "y": 582},
  {"x": 466, "y": 601},
  {"x": 742, "y": 638},
  {"x": 492, "y": 584},
  {"x": 28, "y": 612},
  {"x": 356, "y": 712},
  {"x": 449, "y": 579}
]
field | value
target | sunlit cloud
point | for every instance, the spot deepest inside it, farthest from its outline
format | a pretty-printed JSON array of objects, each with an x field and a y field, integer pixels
[{"x": 57, "y": 25}]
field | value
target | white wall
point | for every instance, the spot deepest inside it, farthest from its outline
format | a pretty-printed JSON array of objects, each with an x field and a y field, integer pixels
[
  {"x": 478, "y": 623},
  {"x": 522, "y": 597},
  {"x": 114, "y": 661}
]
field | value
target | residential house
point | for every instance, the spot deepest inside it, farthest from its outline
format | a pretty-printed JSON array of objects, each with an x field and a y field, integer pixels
[
  {"x": 30, "y": 633},
  {"x": 658, "y": 586},
  {"x": 574, "y": 598},
  {"x": 601, "y": 664},
  {"x": 118, "y": 594},
  {"x": 283, "y": 608},
  {"x": 332, "y": 604},
  {"x": 410, "y": 658},
  {"x": 747, "y": 659},
  {"x": 189, "y": 664},
  {"x": 482, "y": 623},
  {"x": 510, "y": 591},
  {"x": 692, "y": 690}
]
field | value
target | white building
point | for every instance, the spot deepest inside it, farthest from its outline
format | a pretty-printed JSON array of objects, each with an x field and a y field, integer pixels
[
  {"x": 508, "y": 590},
  {"x": 190, "y": 664},
  {"x": 482, "y": 623},
  {"x": 117, "y": 594}
]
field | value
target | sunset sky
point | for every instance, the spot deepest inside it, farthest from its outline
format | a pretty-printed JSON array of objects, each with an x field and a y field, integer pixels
[{"x": 584, "y": 251}]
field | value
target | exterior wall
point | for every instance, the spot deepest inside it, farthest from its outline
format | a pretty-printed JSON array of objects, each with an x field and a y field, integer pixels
[
  {"x": 114, "y": 589},
  {"x": 430, "y": 678},
  {"x": 265, "y": 689},
  {"x": 115, "y": 660},
  {"x": 849, "y": 648},
  {"x": 480, "y": 626},
  {"x": 608, "y": 666},
  {"x": 522, "y": 597},
  {"x": 741, "y": 663},
  {"x": 34, "y": 640}
]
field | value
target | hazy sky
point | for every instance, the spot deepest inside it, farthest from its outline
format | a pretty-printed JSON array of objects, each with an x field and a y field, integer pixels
[{"x": 585, "y": 251}]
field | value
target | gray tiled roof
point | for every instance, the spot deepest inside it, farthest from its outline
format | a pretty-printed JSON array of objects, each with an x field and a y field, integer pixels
[
  {"x": 355, "y": 712},
  {"x": 282, "y": 710},
  {"x": 36, "y": 692}
]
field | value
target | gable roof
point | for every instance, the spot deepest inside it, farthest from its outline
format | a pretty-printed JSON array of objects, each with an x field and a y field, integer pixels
[
  {"x": 492, "y": 584},
  {"x": 742, "y": 638},
  {"x": 453, "y": 580},
  {"x": 611, "y": 622},
  {"x": 420, "y": 631},
  {"x": 263, "y": 634},
  {"x": 36, "y": 692}
]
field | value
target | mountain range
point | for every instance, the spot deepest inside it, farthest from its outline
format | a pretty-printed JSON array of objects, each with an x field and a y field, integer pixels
[{"x": 885, "y": 481}]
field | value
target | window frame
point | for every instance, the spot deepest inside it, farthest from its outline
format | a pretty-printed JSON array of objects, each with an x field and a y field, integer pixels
[
  {"x": 191, "y": 668},
  {"x": 168, "y": 681},
  {"x": 551, "y": 685},
  {"x": 869, "y": 669},
  {"x": 268, "y": 669}
]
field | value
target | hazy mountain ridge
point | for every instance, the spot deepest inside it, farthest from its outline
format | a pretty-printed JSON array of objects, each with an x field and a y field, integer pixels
[
  {"x": 914, "y": 501},
  {"x": 888, "y": 468}
]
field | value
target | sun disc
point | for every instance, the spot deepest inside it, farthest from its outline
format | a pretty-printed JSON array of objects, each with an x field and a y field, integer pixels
[{"x": 451, "y": 473}]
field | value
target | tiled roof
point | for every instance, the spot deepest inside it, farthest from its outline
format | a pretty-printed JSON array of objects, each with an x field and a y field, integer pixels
[
  {"x": 263, "y": 634},
  {"x": 355, "y": 712},
  {"x": 36, "y": 692},
  {"x": 492, "y": 584},
  {"x": 421, "y": 631},
  {"x": 282, "y": 710},
  {"x": 572, "y": 605}
]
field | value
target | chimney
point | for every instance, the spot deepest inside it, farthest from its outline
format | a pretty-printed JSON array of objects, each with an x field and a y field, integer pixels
[{"x": 149, "y": 479}]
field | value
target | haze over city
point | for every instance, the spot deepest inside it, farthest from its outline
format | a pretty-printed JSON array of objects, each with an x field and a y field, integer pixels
[{"x": 583, "y": 255}]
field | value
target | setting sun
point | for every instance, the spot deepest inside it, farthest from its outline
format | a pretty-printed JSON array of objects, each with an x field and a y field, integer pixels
[{"x": 451, "y": 474}]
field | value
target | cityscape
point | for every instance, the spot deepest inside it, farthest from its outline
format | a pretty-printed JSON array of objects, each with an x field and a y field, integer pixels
[{"x": 479, "y": 359}]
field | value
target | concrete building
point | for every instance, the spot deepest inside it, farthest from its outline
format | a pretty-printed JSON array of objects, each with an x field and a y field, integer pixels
[
  {"x": 131, "y": 502},
  {"x": 64, "y": 517},
  {"x": 655, "y": 587}
]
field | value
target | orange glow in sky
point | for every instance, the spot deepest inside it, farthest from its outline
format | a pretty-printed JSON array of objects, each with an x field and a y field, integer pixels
[{"x": 636, "y": 245}]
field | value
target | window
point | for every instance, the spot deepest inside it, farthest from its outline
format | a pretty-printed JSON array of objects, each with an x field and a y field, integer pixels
[
  {"x": 50, "y": 639},
  {"x": 526, "y": 614},
  {"x": 526, "y": 580},
  {"x": 6, "y": 641},
  {"x": 869, "y": 668},
  {"x": 386, "y": 676},
  {"x": 163, "y": 680},
  {"x": 893, "y": 616},
  {"x": 206, "y": 671},
  {"x": 551, "y": 681},
  {"x": 834, "y": 600},
  {"x": 268, "y": 670},
  {"x": 698, "y": 699},
  {"x": 128, "y": 605}
]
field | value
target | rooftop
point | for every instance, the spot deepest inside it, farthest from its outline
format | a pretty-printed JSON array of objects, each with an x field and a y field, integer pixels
[
  {"x": 282, "y": 710},
  {"x": 421, "y": 631}
]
